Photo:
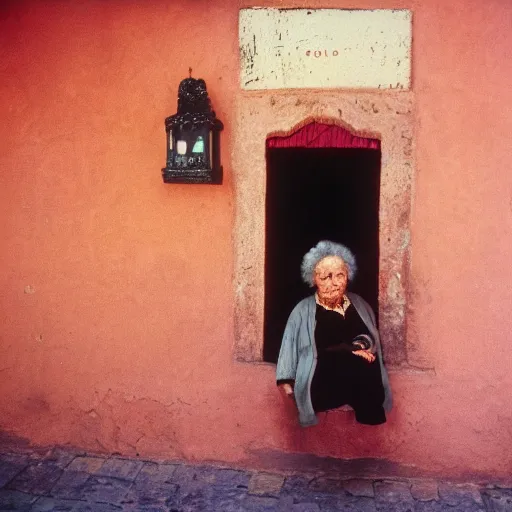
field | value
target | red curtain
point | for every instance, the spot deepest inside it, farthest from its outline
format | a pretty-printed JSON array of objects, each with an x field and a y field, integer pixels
[{"x": 319, "y": 135}]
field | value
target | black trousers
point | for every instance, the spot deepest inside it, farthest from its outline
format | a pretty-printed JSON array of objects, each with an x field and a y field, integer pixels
[{"x": 345, "y": 378}]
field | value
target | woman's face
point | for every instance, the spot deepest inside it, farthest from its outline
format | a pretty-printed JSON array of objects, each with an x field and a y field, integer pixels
[{"x": 331, "y": 278}]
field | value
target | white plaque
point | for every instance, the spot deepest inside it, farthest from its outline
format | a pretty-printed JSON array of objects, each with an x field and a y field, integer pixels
[{"x": 293, "y": 48}]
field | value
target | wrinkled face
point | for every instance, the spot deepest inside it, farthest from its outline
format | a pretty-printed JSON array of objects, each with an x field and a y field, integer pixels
[{"x": 331, "y": 278}]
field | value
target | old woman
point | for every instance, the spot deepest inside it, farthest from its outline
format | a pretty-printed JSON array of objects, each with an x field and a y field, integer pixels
[{"x": 330, "y": 353}]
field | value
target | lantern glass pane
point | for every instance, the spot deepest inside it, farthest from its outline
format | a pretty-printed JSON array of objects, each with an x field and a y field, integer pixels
[
  {"x": 199, "y": 145},
  {"x": 211, "y": 150},
  {"x": 181, "y": 147}
]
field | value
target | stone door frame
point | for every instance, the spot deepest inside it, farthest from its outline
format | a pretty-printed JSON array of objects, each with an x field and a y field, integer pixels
[{"x": 385, "y": 115}]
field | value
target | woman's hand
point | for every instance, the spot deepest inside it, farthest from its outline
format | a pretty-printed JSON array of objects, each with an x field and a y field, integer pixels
[
  {"x": 365, "y": 354},
  {"x": 287, "y": 389}
]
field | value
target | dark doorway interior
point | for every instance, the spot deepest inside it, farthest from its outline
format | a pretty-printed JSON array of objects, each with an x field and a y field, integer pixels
[{"x": 317, "y": 194}]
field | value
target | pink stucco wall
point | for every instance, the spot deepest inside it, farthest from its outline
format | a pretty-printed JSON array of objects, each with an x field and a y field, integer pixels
[{"x": 116, "y": 296}]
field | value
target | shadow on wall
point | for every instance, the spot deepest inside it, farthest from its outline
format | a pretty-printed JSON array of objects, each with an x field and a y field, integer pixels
[{"x": 11, "y": 442}]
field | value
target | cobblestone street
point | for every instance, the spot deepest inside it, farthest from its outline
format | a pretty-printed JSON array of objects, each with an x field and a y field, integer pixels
[{"x": 65, "y": 481}]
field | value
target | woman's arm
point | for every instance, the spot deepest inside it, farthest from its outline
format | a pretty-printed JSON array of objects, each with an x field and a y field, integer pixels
[
  {"x": 288, "y": 354},
  {"x": 357, "y": 347}
]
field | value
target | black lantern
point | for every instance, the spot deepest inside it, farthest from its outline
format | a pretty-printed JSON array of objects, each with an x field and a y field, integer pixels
[{"x": 193, "y": 141}]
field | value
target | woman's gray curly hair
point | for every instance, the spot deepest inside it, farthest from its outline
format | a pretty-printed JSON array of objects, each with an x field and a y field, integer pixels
[{"x": 322, "y": 250}]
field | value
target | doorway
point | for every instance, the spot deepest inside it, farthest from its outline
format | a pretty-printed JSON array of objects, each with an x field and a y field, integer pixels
[{"x": 313, "y": 194}]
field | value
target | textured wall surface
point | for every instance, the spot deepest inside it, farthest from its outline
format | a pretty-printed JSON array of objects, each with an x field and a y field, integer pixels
[{"x": 116, "y": 291}]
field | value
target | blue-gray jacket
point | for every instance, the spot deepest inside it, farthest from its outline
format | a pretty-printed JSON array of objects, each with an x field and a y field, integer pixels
[{"x": 298, "y": 355}]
